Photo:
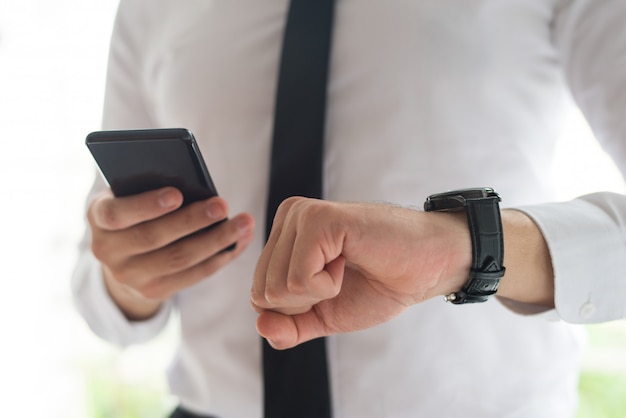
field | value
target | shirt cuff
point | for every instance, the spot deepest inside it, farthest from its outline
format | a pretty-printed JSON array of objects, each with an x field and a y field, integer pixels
[
  {"x": 102, "y": 314},
  {"x": 586, "y": 239}
]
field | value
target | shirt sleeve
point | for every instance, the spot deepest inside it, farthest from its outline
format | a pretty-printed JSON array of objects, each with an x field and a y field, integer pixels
[
  {"x": 590, "y": 36},
  {"x": 587, "y": 236},
  {"x": 587, "y": 242},
  {"x": 125, "y": 107}
]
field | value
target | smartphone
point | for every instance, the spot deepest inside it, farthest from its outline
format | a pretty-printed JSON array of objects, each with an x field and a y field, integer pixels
[{"x": 136, "y": 161}]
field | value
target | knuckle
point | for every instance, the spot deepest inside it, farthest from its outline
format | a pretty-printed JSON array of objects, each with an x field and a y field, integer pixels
[
  {"x": 105, "y": 215},
  {"x": 91, "y": 212},
  {"x": 257, "y": 299},
  {"x": 315, "y": 209},
  {"x": 309, "y": 213},
  {"x": 292, "y": 200},
  {"x": 334, "y": 290},
  {"x": 274, "y": 297},
  {"x": 193, "y": 217},
  {"x": 179, "y": 258},
  {"x": 296, "y": 286},
  {"x": 185, "y": 215},
  {"x": 143, "y": 236},
  {"x": 99, "y": 248},
  {"x": 218, "y": 237},
  {"x": 288, "y": 204}
]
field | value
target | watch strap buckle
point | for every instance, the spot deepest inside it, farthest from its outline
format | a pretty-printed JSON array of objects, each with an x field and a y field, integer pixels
[{"x": 481, "y": 285}]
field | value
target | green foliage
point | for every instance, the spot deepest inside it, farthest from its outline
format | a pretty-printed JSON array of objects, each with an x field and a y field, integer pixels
[
  {"x": 602, "y": 387},
  {"x": 108, "y": 397},
  {"x": 602, "y": 395}
]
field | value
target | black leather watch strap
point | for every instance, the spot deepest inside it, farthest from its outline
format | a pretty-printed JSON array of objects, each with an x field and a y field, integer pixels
[{"x": 485, "y": 225}]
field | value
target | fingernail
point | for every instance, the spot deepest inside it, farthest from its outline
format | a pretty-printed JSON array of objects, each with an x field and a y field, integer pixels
[
  {"x": 214, "y": 211},
  {"x": 168, "y": 199}
]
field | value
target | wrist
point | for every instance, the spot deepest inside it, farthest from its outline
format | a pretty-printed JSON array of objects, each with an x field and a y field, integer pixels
[
  {"x": 529, "y": 277},
  {"x": 134, "y": 306},
  {"x": 458, "y": 248}
]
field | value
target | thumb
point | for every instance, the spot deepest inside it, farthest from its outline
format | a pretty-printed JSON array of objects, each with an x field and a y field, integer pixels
[{"x": 287, "y": 331}]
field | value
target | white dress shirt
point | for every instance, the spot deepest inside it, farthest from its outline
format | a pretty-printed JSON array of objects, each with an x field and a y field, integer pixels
[{"x": 424, "y": 96}]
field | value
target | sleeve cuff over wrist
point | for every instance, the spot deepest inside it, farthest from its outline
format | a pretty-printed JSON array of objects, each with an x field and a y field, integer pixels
[
  {"x": 102, "y": 314},
  {"x": 587, "y": 242}
]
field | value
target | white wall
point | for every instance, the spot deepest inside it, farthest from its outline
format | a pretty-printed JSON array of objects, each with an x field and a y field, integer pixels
[{"x": 52, "y": 67}]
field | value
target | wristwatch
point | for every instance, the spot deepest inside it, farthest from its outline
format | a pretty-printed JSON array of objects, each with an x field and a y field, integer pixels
[{"x": 485, "y": 226}]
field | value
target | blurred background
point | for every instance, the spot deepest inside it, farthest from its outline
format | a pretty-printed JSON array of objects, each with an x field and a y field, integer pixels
[{"x": 52, "y": 66}]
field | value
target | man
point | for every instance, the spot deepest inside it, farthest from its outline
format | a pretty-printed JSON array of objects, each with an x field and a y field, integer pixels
[{"x": 423, "y": 97}]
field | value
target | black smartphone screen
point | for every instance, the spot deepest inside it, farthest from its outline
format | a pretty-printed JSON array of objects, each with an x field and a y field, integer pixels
[{"x": 136, "y": 161}]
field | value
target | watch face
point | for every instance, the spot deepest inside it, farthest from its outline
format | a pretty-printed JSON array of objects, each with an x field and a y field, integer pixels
[
  {"x": 455, "y": 200},
  {"x": 475, "y": 193}
]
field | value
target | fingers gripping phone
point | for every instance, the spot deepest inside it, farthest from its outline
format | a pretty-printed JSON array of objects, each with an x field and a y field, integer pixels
[{"x": 136, "y": 161}]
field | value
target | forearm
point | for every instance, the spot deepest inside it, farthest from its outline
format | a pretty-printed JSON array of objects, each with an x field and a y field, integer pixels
[{"x": 529, "y": 278}]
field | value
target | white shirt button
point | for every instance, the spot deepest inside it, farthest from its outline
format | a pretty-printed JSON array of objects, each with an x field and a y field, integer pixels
[{"x": 587, "y": 310}]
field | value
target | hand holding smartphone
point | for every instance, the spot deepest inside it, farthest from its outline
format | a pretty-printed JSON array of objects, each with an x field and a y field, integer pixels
[
  {"x": 155, "y": 250},
  {"x": 137, "y": 161}
]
